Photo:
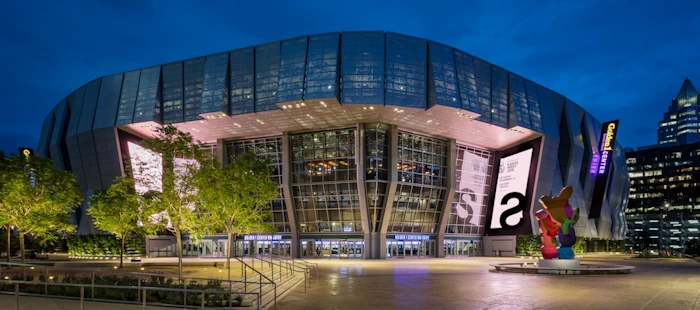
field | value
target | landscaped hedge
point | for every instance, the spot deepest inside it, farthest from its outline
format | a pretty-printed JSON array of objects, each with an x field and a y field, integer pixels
[{"x": 97, "y": 245}]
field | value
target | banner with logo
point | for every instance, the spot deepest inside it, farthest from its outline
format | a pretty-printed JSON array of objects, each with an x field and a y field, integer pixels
[
  {"x": 510, "y": 203},
  {"x": 471, "y": 187}
]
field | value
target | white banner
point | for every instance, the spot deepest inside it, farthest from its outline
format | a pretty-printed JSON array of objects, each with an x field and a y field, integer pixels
[
  {"x": 513, "y": 174},
  {"x": 471, "y": 186}
]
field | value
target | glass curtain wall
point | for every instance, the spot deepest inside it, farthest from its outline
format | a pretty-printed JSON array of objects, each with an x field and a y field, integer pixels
[
  {"x": 418, "y": 200},
  {"x": 324, "y": 182},
  {"x": 376, "y": 166},
  {"x": 270, "y": 149}
]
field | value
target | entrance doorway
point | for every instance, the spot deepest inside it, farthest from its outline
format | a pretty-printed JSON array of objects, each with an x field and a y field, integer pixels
[
  {"x": 332, "y": 248},
  {"x": 276, "y": 247},
  {"x": 406, "y": 249},
  {"x": 462, "y": 247}
]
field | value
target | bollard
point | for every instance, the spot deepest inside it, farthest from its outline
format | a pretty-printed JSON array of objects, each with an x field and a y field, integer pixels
[
  {"x": 16, "y": 296},
  {"x": 93, "y": 286},
  {"x": 202, "y": 300},
  {"x": 46, "y": 280},
  {"x": 82, "y": 298},
  {"x": 138, "y": 291}
]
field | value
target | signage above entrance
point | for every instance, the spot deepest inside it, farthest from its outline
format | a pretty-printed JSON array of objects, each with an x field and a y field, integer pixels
[
  {"x": 262, "y": 237},
  {"x": 411, "y": 237}
]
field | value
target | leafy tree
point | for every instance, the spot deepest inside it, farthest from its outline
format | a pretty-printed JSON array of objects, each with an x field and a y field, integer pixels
[
  {"x": 117, "y": 210},
  {"x": 235, "y": 199},
  {"x": 4, "y": 220},
  {"x": 37, "y": 198},
  {"x": 172, "y": 207}
]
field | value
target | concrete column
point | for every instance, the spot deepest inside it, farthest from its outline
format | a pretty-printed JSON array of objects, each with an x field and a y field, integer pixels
[
  {"x": 391, "y": 190},
  {"x": 361, "y": 189},
  {"x": 221, "y": 153},
  {"x": 287, "y": 190},
  {"x": 451, "y": 175}
]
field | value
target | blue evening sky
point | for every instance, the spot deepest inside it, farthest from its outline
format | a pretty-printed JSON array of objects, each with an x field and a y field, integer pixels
[{"x": 618, "y": 59}]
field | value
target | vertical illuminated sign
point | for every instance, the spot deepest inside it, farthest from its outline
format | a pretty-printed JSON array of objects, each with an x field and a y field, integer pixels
[{"x": 606, "y": 147}]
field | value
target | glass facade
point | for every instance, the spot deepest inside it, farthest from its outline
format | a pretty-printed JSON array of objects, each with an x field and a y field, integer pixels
[
  {"x": 443, "y": 76},
  {"x": 268, "y": 149},
  {"x": 324, "y": 183},
  {"x": 292, "y": 69},
  {"x": 242, "y": 67},
  {"x": 194, "y": 79},
  {"x": 377, "y": 168},
  {"x": 108, "y": 101},
  {"x": 362, "y": 67},
  {"x": 499, "y": 97},
  {"x": 215, "y": 85},
  {"x": 322, "y": 66},
  {"x": 533, "y": 104},
  {"x": 419, "y": 197},
  {"x": 404, "y": 161},
  {"x": 267, "y": 68},
  {"x": 405, "y": 71},
  {"x": 148, "y": 97},
  {"x": 127, "y": 100},
  {"x": 473, "y": 176},
  {"x": 172, "y": 93},
  {"x": 464, "y": 64},
  {"x": 519, "y": 114}
]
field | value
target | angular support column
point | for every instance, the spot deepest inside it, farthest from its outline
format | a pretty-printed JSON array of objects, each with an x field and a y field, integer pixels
[
  {"x": 287, "y": 190},
  {"x": 390, "y": 191},
  {"x": 362, "y": 189},
  {"x": 451, "y": 175}
]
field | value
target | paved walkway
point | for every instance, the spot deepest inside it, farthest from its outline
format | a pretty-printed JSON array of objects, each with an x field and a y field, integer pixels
[
  {"x": 468, "y": 283},
  {"x": 8, "y": 302}
]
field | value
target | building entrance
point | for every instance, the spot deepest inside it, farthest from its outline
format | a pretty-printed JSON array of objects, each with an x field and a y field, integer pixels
[
  {"x": 462, "y": 247},
  {"x": 423, "y": 248},
  {"x": 329, "y": 248},
  {"x": 251, "y": 247}
]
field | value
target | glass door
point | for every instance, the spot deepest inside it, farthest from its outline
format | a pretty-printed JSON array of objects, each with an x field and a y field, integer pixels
[
  {"x": 359, "y": 245},
  {"x": 343, "y": 249}
]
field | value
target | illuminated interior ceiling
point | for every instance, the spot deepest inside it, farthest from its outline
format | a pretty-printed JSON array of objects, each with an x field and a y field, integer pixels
[{"x": 313, "y": 115}]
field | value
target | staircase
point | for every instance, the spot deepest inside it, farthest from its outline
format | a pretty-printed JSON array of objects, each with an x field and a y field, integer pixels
[{"x": 271, "y": 277}]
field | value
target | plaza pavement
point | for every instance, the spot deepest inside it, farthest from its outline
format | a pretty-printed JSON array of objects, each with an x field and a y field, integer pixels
[{"x": 467, "y": 283}]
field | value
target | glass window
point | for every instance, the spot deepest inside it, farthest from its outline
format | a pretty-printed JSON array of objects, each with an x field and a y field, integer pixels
[
  {"x": 362, "y": 67},
  {"x": 267, "y": 149}
]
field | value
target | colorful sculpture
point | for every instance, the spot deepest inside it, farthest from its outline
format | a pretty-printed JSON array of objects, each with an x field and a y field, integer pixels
[{"x": 557, "y": 219}]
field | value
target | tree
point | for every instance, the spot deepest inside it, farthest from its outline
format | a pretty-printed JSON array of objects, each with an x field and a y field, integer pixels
[
  {"x": 235, "y": 199},
  {"x": 172, "y": 206},
  {"x": 37, "y": 198},
  {"x": 117, "y": 210},
  {"x": 4, "y": 220}
]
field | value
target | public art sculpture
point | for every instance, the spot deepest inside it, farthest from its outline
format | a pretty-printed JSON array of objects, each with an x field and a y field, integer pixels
[{"x": 557, "y": 219}]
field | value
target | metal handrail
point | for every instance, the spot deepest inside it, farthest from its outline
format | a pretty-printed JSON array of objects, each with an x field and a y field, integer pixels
[
  {"x": 305, "y": 263},
  {"x": 109, "y": 271},
  {"x": 245, "y": 281},
  {"x": 143, "y": 296}
]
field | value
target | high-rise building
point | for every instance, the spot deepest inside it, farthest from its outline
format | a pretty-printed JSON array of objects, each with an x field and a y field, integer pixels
[
  {"x": 680, "y": 123},
  {"x": 383, "y": 145},
  {"x": 663, "y": 211}
]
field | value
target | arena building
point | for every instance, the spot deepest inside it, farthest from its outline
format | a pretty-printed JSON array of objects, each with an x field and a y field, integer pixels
[{"x": 384, "y": 145}]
